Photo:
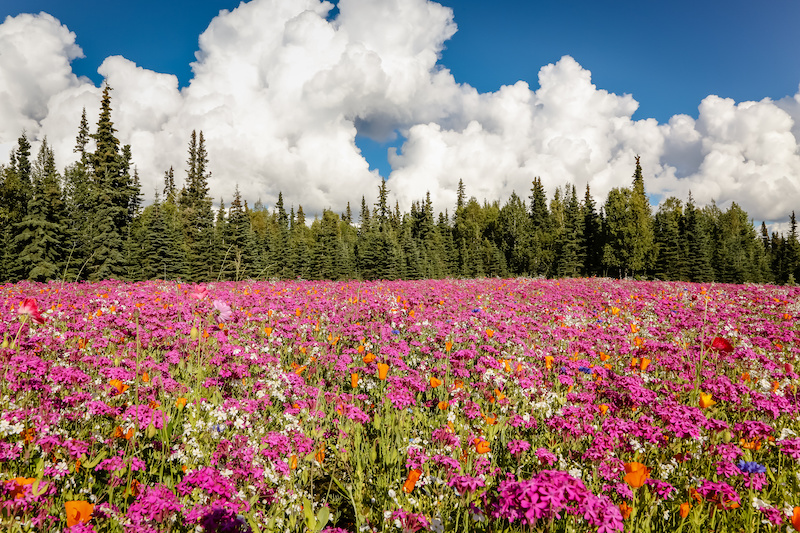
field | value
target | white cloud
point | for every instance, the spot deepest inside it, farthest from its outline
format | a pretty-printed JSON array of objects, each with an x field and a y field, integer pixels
[{"x": 280, "y": 92}]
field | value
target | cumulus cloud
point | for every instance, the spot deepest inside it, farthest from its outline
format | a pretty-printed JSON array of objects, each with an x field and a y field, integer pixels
[{"x": 281, "y": 90}]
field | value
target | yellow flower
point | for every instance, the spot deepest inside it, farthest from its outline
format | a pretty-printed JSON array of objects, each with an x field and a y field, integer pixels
[{"x": 706, "y": 400}]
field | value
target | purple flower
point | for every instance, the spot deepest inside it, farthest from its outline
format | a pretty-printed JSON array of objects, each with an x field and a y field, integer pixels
[
  {"x": 464, "y": 484},
  {"x": 751, "y": 467},
  {"x": 517, "y": 447},
  {"x": 545, "y": 456}
]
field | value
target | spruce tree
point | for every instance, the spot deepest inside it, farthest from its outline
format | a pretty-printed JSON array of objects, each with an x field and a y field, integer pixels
[
  {"x": 698, "y": 243},
  {"x": 541, "y": 235},
  {"x": 110, "y": 191},
  {"x": 197, "y": 215},
  {"x": 572, "y": 254},
  {"x": 40, "y": 234},
  {"x": 671, "y": 260},
  {"x": 642, "y": 239},
  {"x": 592, "y": 236}
]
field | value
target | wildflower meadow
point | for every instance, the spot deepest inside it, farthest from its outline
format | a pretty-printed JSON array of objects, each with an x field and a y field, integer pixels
[{"x": 582, "y": 405}]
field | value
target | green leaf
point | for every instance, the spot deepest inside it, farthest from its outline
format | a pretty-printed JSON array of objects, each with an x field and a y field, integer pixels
[{"x": 322, "y": 518}]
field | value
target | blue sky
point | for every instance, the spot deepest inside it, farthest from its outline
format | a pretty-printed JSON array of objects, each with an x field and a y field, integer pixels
[{"x": 670, "y": 57}]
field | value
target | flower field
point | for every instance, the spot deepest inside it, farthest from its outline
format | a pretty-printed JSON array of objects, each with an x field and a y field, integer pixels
[{"x": 489, "y": 406}]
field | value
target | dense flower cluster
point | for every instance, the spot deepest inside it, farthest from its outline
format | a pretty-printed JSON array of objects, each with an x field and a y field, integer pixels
[{"x": 582, "y": 405}]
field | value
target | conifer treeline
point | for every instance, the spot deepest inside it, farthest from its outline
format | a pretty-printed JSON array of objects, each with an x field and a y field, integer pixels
[{"x": 89, "y": 224}]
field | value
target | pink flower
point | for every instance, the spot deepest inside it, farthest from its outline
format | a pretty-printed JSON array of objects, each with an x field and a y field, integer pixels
[
  {"x": 29, "y": 307},
  {"x": 199, "y": 292},
  {"x": 224, "y": 309}
]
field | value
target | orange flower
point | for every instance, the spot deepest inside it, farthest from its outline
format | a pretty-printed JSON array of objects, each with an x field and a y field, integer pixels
[
  {"x": 490, "y": 419},
  {"x": 411, "y": 480},
  {"x": 548, "y": 361},
  {"x": 706, "y": 400},
  {"x": 354, "y": 380},
  {"x": 795, "y": 520},
  {"x": 78, "y": 512},
  {"x": 693, "y": 494},
  {"x": 490, "y": 333},
  {"x": 636, "y": 474},
  {"x": 603, "y": 409},
  {"x": 19, "y": 491},
  {"x": 146, "y": 377},
  {"x": 753, "y": 445},
  {"x": 626, "y": 510},
  {"x": 435, "y": 382},
  {"x": 383, "y": 370},
  {"x": 685, "y": 508},
  {"x": 293, "y": 462},
  {"x": 370, "y": 357},
  {"x": 443, "y": 405},
  {"x": 320, "y": 455},
  {"x": 448, "y": 346},
  {"x": 644, "y": 364},
  {"x": 180, "y": 403},
  {"x": 136, "y": 488},
  {"x": 119, "y": 386},
  {"x": 118, "y": 433},
  {"x": 603, "y": 356},
  {"x": 300, "y": 369},
  {"x": 481, "y": 446},
  {"x": 268, "y": 331},
  {"x": 29, "y": 435}
]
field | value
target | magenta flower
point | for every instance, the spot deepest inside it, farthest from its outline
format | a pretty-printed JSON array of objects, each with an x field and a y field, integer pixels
[{"x": 29, "y": 307}]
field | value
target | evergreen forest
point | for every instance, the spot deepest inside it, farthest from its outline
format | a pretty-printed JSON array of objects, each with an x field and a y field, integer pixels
[{"x": 89, "y": 223}]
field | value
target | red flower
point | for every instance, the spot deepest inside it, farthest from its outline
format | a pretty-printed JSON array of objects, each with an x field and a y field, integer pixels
[
  {"x": 29, "y": 307},
  {"x": 720, "y": 345}
]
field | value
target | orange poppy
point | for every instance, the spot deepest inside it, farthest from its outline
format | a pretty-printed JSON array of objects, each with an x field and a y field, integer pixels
[
  {"x": 448, "y": 346},
  {"x": 320, "y": 455},
  {"x": 636, "y": 474},
  {"x": 354, "y": 380},
  {"x": 370, "y": 357},
  {"x": 548, "y": 361},
  {"x": 795, "y": 520},
  {"x": 625, "y": 510},
  {"x": 19, "y": 490},
  {"x": 603, "y": 409},
  {"x": 706, "y": 400},
  {"x": 293, "y": 462},
  {"x": 435, "y": 382},
  {"x": 443, "y": 405},
  {"x": 78, "y": 512},
  {"x": 685, "y": 508},
  {"x": 644, "y": 364},
  {"x": 481, "y": 446},
  {"x": 383, "y": 370},
  {"x": 411, "y": 480},
  {"x": 119, "y": 386},
  {"x": 490, "y": 333},
  {"x": 180, "y": 403}
]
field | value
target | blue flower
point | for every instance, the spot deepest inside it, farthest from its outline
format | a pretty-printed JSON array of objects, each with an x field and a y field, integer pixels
[
  {"x": 751, "y": 467},
  {"x": 585, "y": 370}
]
